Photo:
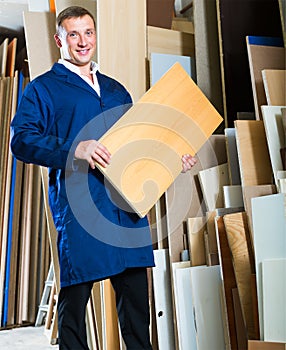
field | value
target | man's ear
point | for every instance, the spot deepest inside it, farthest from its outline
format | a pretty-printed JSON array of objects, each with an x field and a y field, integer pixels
[{"x": 58, "y": 40}]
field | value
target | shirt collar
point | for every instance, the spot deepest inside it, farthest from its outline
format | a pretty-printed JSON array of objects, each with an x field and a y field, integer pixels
[{"x": 75, "y": 69}]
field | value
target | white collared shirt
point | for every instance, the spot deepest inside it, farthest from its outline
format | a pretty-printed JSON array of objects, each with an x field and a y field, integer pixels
[{"x": 93, "y": 70}]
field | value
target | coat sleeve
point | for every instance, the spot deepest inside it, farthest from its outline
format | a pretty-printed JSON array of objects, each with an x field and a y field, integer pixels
[{"x": 31, "y": 137}]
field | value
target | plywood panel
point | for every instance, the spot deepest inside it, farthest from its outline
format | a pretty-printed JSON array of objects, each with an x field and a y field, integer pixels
[
  {"x": 44, "y": 24},
  {"x": 269, "y": 232},
  {"x": 253, "y": 154},
  {"x": 238, "y": 240},
  {"x": 228, "y": 280},
  {"x": 122, "y": 24},
  {"x": 170, "y": 42},
  {"x": 148, "y": 141},
  {"x": 160, "y": 13},
  {"x": 163, "y": 300},
  {"x": 274, "y": 81},
  {"x": 212, "y": 181},
  {"x": 196, "y": 228},
  {"x": 274, "y": 299},
  {"x": 262, "y": 57},
  {"x": 272, "y": 117},
  {"x": 261, "y": 345}
]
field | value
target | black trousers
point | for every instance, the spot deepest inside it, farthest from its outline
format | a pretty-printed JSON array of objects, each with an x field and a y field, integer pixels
[{"x": 131, "y": 291}]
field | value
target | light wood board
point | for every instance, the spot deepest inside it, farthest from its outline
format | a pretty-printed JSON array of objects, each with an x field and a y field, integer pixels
[
  {"x": 3, "y": 57},
  {"x": 147, "y": 143},
  {"x": 253, "y": 154},
  {"x": 121, "y": 42},
  {"x": 274, "y": 299},
  {"x": 212, "y": 181},
  {"x": 274, "y": 81},
  {"x": 44, "y": 24},
  {"x": 261, "y": 345},
  {"x": 169, "y": 41},
  {"x": 269, "y": 232},
  {"x": 196, "y": 228},
  {"x": 272, "y": 118},
  {"x": 262, "y": 57}
]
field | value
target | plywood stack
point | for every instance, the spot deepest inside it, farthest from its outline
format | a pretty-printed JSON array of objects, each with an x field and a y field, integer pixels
[{"x": 24, "y": 245}]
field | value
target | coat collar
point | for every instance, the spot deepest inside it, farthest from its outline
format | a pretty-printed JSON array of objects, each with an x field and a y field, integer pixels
[{"x": 72, "y": 78}]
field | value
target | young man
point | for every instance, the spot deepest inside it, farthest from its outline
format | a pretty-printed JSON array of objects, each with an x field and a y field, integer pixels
[{"x": 60, "y": 118}]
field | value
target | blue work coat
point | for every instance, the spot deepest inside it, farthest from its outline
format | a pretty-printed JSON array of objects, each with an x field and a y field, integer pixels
[{"x": 98, "y": 234}]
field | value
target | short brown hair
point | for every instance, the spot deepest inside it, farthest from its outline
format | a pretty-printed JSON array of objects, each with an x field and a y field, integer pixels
[{"x": 73, "y": 11}]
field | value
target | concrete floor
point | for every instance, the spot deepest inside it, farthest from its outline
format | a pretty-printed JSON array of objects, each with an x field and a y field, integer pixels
[{"x": 25, "y": 338}]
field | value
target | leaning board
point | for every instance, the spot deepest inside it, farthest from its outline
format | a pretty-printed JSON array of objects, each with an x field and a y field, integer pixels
[{"x": 171, "y": 119}]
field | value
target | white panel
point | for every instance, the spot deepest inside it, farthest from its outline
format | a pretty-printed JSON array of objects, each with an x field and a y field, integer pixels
[
  {"x": 163, "y": 300},
  {"x": 161, "y": 62},
  {"x": 184, "y": 306},
  {"x": 206, "y": 287},
  {"x": 39, "y": 5},
  {"x": 274, "y": 299},
  {"x": 269, "y": 237},
  {"x": 272, "y": 117},
  {"x": 212, "y": 181}
]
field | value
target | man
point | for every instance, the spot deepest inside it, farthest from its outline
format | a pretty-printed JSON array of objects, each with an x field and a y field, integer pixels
[{"x": 61, "y": 116}]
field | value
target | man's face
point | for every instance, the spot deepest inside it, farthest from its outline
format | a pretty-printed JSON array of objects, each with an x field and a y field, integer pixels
[{"x": 78, "y": 40}]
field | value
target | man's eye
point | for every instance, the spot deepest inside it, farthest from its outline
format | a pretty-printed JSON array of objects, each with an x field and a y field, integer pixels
[
  {"x": 72, "y": 35},
  {"x": 90, "y": 32}
]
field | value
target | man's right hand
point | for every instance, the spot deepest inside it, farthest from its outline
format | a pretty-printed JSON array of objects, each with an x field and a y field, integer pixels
[{"x": 93, "y": 152}]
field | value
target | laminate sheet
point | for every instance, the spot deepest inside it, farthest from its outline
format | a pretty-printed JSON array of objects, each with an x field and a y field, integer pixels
[
  {"x": 122, "y": 24},
  {"x": 274, "y": 82},
  {"x": 269, "y": 236},
  {"x": 44, "y": 24},
  {"x": 212, "y": 181},
  {"x": 232, "y": 196},
  {"x": 274, "y": 299},
  {"x": 272, "y": 117},
  {"x": 206, "y": 288},
  {"x": 148, "y": 141},
  {"x": 163, "y": 300},
  {"x": 262, "y": 57},
  {"x": 184, "y": 306},
  {"x": 254, "y": 161}
]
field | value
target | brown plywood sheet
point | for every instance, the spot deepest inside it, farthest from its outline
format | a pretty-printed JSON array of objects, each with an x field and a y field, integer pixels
[
  {"x": 243, "y": 263},
  {"x": 253, "y": 154},
  {"x": 274, "y": 82},
  {"x": 160, "y": 13},
  {"x": 265, "y": 345},
  {"x": 171, "y": 119},
  {"x": 263, "y": 57}
]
